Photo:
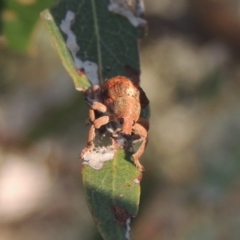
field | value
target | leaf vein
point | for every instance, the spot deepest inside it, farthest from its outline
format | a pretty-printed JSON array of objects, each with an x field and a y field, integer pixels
[{"x": 98, "y": 38}]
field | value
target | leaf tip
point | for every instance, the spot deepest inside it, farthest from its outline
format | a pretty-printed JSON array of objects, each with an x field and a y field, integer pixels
[{"x": 46, "y": 15}]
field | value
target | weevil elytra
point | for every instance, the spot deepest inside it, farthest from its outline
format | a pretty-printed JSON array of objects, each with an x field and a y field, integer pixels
[{"x": 119, "y": 100}]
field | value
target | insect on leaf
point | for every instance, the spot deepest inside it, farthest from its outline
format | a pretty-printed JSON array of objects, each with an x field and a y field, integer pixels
[{"x": 97, "y": 40}]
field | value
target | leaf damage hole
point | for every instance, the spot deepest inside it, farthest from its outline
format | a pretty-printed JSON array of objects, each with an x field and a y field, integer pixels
[
  {"x": 97, "y": 157},
  {"x": 87, "y": 67},
  {"x": 127, "y": 235},
  {"x": 132, "y": 10}
]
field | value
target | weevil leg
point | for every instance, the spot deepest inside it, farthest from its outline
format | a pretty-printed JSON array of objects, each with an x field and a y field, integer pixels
[
  {"x": 97, "y": 123},
  {"x": 91, "y": 134},
  {"x": 93, "y": 98},
  {"x": 101, "y": 121},
  {"x": 141, "y": 129},
  {"x": 99, "y": 107}
]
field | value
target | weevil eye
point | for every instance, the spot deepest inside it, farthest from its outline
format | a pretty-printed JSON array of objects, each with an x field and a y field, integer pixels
[{"x": 121, "y": 121}]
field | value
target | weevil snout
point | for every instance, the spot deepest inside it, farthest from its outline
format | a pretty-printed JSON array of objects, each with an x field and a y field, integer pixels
[
  {"x": 127, "y": 136},
  {"x": 127, "y": 124}
]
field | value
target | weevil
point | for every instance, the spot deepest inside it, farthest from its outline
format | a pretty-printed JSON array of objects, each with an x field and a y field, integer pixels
[{"x": 119, "y": 100}]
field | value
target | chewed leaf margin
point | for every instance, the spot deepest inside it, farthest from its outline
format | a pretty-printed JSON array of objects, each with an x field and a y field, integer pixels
[{"x": 80, "y": 80}]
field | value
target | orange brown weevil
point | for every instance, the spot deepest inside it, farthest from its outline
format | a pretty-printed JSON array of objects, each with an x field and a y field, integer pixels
[{"x": 119, "y": 100}]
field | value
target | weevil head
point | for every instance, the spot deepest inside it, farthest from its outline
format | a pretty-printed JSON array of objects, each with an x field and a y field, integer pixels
[{"x": 127, "y": 123}]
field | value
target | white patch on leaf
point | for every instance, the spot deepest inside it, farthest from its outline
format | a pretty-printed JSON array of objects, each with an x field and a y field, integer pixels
[
  {"x": 90, "y": 68},
  {"x": 131, "y": 11},
  {"x": 128, "y": 229},
  {"x": 136, "y": 181},
  {"x": 96, "y": 158}
]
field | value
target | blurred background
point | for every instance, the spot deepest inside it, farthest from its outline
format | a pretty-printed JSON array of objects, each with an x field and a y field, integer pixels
[{"x": 190, "y": 72}]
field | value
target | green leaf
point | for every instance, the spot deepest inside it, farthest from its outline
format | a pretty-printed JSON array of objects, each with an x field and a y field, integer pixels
[
  {"x": 103, "y": 38},
  {"x": 113, "y": 195},
  {"x": 19, "y": 19},
  {"x": 95, "y": 44}
]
